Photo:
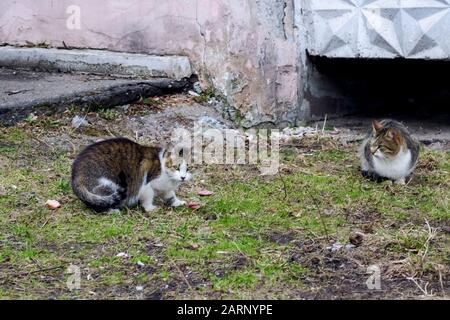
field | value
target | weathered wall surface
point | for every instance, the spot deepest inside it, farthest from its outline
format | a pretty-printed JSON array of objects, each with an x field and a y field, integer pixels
[{"x": 245, "y": 48}]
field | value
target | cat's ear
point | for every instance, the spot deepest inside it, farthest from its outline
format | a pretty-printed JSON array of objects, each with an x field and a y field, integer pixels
[
  {"x": 390, "y": 134},
  {"x": 394, "y": 135},
  {"x": 168, "y": 146},
  {"x": 167, "y": 149},
  {"x": 376, "y": 125}
]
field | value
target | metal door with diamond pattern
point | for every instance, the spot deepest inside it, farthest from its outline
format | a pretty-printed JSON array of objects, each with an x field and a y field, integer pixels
[{"x": 416, "y": 29}]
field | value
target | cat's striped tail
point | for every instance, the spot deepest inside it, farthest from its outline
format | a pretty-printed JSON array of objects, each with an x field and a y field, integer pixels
[{"x": 103, "y": 197}]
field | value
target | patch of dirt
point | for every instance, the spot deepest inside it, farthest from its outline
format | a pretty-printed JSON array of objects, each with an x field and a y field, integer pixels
[
  {"x": 281, "y": 237},
  {"x": 343, "y": 274},
  {"x": 220, "y": 269}
]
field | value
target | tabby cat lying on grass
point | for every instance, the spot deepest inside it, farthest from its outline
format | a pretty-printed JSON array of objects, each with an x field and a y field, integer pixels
[
  {"x": 119, "y": 172},
  {"x": 389, "y": 152}
]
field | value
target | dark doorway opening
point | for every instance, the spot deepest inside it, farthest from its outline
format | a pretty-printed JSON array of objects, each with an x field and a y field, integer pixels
[{"x": 379, "y": 88}]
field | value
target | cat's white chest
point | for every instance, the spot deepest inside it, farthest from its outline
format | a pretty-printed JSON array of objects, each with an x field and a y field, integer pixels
[
  {"x": 163, "y": 184},
  {"x": 394, "y": 168}
]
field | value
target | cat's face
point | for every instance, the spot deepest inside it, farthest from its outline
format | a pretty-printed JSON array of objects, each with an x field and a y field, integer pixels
[
  {"x": 176, "y": 165},
  {"x": 386, "y": 142}
]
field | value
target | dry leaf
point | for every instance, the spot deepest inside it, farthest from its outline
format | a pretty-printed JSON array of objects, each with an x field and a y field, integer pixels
[
  {"x": 193, "y": 205},
  {"x": 52, "y": 204},
  {"x": 205, "y": 193}
]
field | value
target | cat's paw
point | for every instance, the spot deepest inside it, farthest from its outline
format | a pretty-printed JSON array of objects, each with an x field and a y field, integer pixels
[
  {"x": 150, "y": 207},
  {"x": 401, "y": 181},
  {"x": 178, "y": 203}
]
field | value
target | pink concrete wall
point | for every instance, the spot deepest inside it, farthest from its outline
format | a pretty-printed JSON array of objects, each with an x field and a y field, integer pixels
[{"x": 245, "y": 48}]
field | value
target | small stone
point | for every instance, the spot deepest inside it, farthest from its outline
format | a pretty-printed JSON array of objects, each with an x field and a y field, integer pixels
[
  {"x": 139, "y": 288},
  {"x": 141, "y": 264},
  {"x": 335, "y": 247},
  {"x": 124, "y": 108},
  {"x": 211, "y": 217},
  {"x": 78, "y": 121},
  {"x": 197, "y": 88},
  {"x": 122, "y": 255},
  {"x": 193, "y": 93},
  {"x": 208, "y": 121},
  {"x": 194, "y": 246},
  {"x": 338, "y": 246}
]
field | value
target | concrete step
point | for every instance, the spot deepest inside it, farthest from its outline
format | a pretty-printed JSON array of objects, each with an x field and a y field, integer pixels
[
  {"x": 97, "y": 62},
  {"x": 24, "y": 91}
]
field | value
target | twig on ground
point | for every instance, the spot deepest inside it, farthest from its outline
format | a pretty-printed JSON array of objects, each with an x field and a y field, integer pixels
[
  {"x": 423, "y": 289},
  {"x": 74, "y": 149},
  {"x": 431, "y": 234},
  {"x": 109, "y": 132},
  {"x": 316, "y": 203},
  {"x": 441, "y": 281},
  {"x": 43, "y": 142},
  {"x": 324, "y": 123},
  {"x": 284, "y": 183},
  {"x": 47, "y": 220}
]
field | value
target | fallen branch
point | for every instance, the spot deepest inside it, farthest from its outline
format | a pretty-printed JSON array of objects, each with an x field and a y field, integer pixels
[
  {"x": 423, "y": 289},
  {"x": 431, "y": 235}
]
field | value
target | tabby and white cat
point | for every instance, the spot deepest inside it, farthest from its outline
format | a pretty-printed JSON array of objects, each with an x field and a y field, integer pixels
[
  {"x": 119, "y": 172},
  {"x": 389, "y": 152}
]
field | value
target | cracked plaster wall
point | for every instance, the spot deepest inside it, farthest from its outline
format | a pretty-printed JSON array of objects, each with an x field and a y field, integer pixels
[{"x": 247, "y": 49}]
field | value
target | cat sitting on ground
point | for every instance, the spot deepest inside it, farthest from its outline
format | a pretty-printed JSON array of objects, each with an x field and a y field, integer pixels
[
  {"x": 389, "y": 152},
  {"x": 118, "y": 172}
]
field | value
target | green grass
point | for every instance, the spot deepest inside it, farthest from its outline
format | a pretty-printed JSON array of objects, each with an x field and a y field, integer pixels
[
  {"x": 185, "y": 254},
  {"x": 205, "y": 95},
  {"x": 109, "y": 114}
]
